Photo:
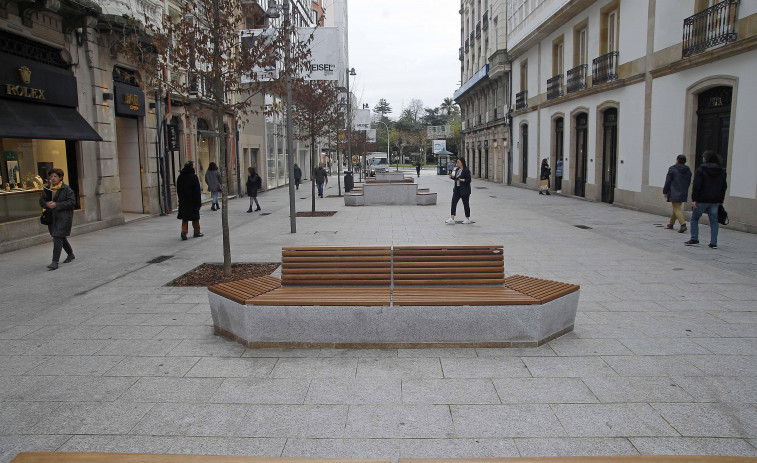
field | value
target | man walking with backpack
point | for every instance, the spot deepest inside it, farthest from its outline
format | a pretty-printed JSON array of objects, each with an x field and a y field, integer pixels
[{"x": 708, "y": 192}]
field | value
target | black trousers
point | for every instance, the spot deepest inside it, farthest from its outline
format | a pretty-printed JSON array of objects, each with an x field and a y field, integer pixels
[
  {"x": 61, "y": 242},
  {"x": 455, "y": 198}
]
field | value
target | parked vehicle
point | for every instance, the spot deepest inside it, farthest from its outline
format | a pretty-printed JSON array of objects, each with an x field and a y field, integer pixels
[{"x": 377, "y": 164}]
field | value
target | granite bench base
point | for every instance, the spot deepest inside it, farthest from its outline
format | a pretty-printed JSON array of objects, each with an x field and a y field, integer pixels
[
  {"x": 393, "y": 326},
  {"x": 390, "y": 194}
]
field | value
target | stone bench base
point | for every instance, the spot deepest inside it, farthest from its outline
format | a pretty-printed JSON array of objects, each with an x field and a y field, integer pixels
[{"x": 394, "y": 326}]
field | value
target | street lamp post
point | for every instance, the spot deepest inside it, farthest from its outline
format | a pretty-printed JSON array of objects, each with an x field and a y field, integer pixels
[
  {"x": 273, "y": 12},
  {"x": 350, "y": 72}
]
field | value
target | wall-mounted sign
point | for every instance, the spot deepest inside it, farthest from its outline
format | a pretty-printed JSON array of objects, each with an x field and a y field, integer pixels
[
  {"x": 130, "y": 100},
  {"x": 35, "y": 82},
  {"x": 173, "y": 137}
]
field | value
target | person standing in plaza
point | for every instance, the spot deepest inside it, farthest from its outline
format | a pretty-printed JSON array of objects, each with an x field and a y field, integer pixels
[
  {"x": 60, "y": 200},
  {"x": 707, "y": 194},
  {"x": 297, "y": 176},
  {"x": 213, "y": 181},
  {"x": 254, "y": 183},
  {"x": 546, "y": 171},
  {"x": 676, "y": 191},
  {"x": 190, "y": 200},
  {"x": 461, "y": 190},
  {"x": 320, "y": 176},
  {"x": 418, "y": 168},
  {"x": 558, "y": 176}
]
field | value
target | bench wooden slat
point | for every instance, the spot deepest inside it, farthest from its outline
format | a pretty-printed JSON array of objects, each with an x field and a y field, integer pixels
[
  {"x": 100, "y": 457},
  {"x": 457, "y": 281},
  {"x": 325, "y": 296},
  {"x": 242, "y": 291},
  {"x": 461, "y": 296},
  {"x": 322, "y": 248},
  {"x": 544, "y": 290}
]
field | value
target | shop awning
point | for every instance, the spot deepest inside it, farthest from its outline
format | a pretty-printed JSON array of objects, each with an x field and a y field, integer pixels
[{"x": 19, "y": 119}]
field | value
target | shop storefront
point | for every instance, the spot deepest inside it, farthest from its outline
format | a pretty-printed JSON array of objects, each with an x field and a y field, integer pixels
[
  {"x": 39, "y": 124},
  {"x": 129, "y": 106}
]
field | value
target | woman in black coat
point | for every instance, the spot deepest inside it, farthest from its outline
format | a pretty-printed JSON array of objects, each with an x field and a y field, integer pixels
[
  {"x": 462, "y": 177},
  {"x": 254, "y": 182},
  {"x": 546, "y": 171},
  {"x": 190, "y": 199},
  {"x": 60, "y": 200}
]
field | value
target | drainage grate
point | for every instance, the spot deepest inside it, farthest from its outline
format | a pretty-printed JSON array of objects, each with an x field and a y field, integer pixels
[
  {"x": 583, "y": 227},
  {"x": 493, "y": 197},
  {"x": 265, "y": 213},
  {"x": 481, "y": 187},
  {"x": 324, "y": 231},
  {"x": 159, "y": 259},
  {"x": 677, "y": 269}
]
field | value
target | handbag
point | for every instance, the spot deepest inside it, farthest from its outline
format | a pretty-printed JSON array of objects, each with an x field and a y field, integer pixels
[
  {"x": 544, "y": 184},
  {"x": 46, "y": 218},
  {"x": 722, "y": 215}
]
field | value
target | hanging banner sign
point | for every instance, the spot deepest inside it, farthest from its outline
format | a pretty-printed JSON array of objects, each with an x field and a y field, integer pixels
[
  {"x": 362, "y": 119},
  {"x": 249, "y": 38},
  {"x": 324, "y": 52},
  {"x": 440, "y": 145},
  {"x": 370, "y": 135}
]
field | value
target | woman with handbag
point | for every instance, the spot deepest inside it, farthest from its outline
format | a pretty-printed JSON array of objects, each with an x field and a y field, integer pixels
[
  {"x": 461, "y": 190},
  {"x": 254, "y": 183},
  {"x": 58, "y": 202},
  {"x": 215, "y": 184},
  {"x": 546, "y": 171}
]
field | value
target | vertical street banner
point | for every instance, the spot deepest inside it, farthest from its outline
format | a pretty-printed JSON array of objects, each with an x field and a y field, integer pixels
[
  {"x": 324, "y": 52},
  {"x": 362, "y": 119},
  {"x": 249, "y": 38},
  {"x": 370, "y": 135}
]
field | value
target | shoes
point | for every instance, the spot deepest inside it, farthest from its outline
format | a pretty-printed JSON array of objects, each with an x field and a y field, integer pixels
[
  {"x": 691, "y": 242},
  {"x": 669, "y": 226},
  {"x": 183, "y": 236},
  {"x": 250, "y": 209},
  {"x": 541, "y": 192},
  {"x": 682, "y": 229},
  {"x": 548, "y": 193},
  {"x": 69, "y": 258},
  {"x": 197, "y": 235},
  {"x": 713, "y": 245},
  {"x": 450, "y": 221},
  {"x": 53, "y": 265},
  {"x": 258, "y": 208},
  {"x": 466, "y": 221},
  {"x": 213, "y": 207}
]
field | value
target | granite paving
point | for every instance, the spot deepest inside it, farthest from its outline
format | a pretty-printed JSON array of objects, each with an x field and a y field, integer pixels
[{"x": 662, "y": 359}]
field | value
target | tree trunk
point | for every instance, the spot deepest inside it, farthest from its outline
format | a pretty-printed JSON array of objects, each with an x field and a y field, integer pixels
[
  {"x": 217, "y": 90},
  {"x": 312, "y": 171}
]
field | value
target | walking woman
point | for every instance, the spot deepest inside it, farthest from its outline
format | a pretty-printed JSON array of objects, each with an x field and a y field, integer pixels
[
  {"x": 213, "y": 180},
  {"x": 461, "y": 190},
  {"x": 60, "y": 200},
  {"x": 190, "y": 199},
  {"x": 297, "y": 176},
  {"x": 546, "y": 171},
  {"x": 254, "y": 182}
]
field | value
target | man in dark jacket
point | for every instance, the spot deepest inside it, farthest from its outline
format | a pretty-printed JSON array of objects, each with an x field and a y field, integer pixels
[
  {"x": 676, "y": 190},
  {"x": 320, "y": 177},
  {"x": 190, "y": 199},
  {"x": 708, "y": 192}
]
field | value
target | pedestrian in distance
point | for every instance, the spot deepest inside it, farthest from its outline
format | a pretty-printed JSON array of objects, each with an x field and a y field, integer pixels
[
  {"x": 190, "y": 200},
  {"x": 676, "y": 191},
  {"x": 320, "y": 176},
  {"x": 546, "y": 171},
  {"x": 59, "y": 199},
  {"x": 418, "y": 168},
  {"x": 297, "y": 176},
  {"x": 254, "y": 183},
  {"x": 707, "y": 194},
  {"x": 461, "y": 190},
  {"x": 558, "y": 176},
  {"x": 450, "y": 166},
  {"x": 214, "y": 183}
]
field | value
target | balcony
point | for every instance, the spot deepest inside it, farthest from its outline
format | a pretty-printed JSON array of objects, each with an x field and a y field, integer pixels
[
  {"x": 199, "y": 87},
  {"x": 604, "y": 68},
  {"x": 554, "y": 87},
  {"x": 472, "y": 38},
  {"x": 576, "y": 78},
  {"x": 467, "y": 45},
  {"x": 461, "y": 54},
  {"x": 709, "y": 28},
  {"x": 478, "y": 119},
  {"x": 485, "y": 24},
  {"x": 521, "y": 100},
  {"x": 478, "y": 29}
]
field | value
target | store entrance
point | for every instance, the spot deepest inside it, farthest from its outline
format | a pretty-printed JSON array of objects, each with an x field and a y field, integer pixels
[{"x": 129, "y": 165}]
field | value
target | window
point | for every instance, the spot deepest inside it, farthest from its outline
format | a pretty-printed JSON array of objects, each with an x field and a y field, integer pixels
[
  {"x": 579, "y": 46},
  {"x": 609, "y": 31},
  {"x": 557, "y": 57},
  {"x": 524, "y": 75}
]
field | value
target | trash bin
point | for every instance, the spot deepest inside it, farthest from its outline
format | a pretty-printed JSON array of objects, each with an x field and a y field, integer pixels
[{"x": 349, "y": 182}]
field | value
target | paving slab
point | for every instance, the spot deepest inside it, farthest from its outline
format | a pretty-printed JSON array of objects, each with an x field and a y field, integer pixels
[
  {"x": 449, "y": 391},
  {"x": 354, "y": 391},
  {"x": 693, "y": 446},
  {"x": 571, "y": 446},
  {"x": 458, "y": 448},
  {"x": 342, "y": 448},
  {"x": 506, "y": 421},
  {"x": 543, "y": 391},
  {"x": 399, "y": 421}
]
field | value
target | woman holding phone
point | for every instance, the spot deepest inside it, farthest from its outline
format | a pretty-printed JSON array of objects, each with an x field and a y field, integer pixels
[{"x": 462, "y": 177}]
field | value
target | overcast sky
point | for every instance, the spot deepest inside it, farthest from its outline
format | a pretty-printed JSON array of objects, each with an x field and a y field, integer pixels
[{"x": 404, "y": 49}]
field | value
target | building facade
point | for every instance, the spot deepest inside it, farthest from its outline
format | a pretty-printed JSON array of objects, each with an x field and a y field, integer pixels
[
  {"x": 484, "y": 94},
  {"x": 616, "y": 89}
]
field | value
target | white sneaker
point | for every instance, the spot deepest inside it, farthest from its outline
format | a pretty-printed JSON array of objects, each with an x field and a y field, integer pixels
[
  {"x": 466, "y": 221},
  {"x": 450, "y": 221}
]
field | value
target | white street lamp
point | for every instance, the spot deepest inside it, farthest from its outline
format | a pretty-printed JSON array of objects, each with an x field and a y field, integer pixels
[{"x": 350, "y": 72}]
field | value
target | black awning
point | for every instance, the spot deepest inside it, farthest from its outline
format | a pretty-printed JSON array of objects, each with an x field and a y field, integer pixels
[{"x": 19, "y": 119}]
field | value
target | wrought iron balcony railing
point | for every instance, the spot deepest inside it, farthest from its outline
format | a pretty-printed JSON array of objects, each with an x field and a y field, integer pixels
[
  {"x": 478, "y": 29},
  {"x": 521, "y": 99},
  {"x": 461, "y": 54},
  {"x": 198, "y": 86},
  {"x": 472, "y": 38},
  {"x": 605, "y": 68},
  {"x": 576, "y": 78},
  {"x": 711, "y": 27},
  {"x": 554, "y": 87},
  {"x": 467, "y": 45},
  {"x": 485, "y": 24}
]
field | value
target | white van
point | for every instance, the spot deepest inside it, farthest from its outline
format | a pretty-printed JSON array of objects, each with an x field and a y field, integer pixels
[{"x": 377, "y": 164}]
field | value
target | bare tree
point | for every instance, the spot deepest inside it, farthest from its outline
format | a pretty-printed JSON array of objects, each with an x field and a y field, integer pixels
[{"x": 200, "y": 51}]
